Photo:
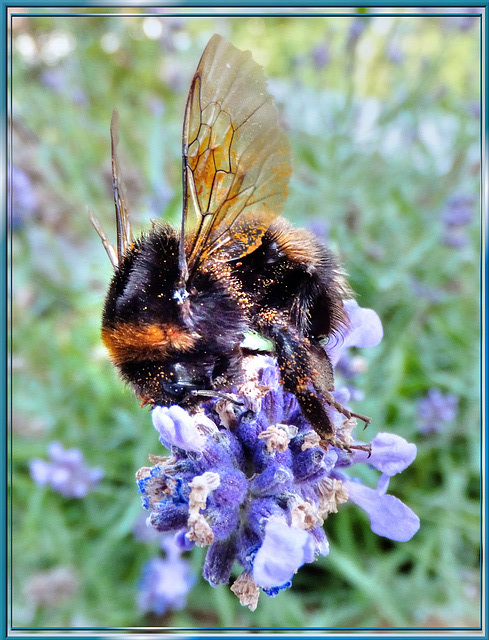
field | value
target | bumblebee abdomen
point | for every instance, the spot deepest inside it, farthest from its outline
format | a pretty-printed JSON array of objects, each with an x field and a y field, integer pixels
[{"x": 127, "y": 341}]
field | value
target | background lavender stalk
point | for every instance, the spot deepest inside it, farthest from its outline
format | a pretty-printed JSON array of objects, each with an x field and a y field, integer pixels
[
  {"x": 165, "y": 582},
  {"x": 66, "y": 472},
  {"x": 436, "y": 410},
  {"x": 252, "y": 484}
]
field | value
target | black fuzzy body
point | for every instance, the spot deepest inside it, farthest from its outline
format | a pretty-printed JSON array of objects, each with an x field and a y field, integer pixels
[{"x": 287, "y": 294}]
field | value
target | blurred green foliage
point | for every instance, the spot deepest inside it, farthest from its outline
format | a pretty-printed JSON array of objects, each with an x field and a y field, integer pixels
[{"x": 382, "y": 115}]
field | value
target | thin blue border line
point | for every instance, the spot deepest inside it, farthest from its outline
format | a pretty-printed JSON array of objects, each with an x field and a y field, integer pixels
[
  {"x": 282, "y": 5},
  {"x": 249, "y": 15},
  {"x": 6, "y": 143},
  {"x": 483, "y": 448},
  {"x": 116, "y": 4},
  {"x": 266, "y": 628}
]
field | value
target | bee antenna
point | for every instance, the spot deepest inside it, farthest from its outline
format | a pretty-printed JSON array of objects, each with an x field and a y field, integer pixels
[{"x": 107, "y": 244}]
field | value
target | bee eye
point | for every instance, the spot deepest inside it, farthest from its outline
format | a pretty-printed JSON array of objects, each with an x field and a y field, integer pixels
[
  {"x": 183, "y": 380},
  {"x": 175, "y": 389}
]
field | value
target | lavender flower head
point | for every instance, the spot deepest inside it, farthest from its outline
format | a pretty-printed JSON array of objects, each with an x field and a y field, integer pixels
[
  {"x": 253, "y": 485},
  {"x": 66, "y": 472}
]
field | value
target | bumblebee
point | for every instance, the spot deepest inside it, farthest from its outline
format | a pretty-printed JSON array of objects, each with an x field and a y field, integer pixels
[{"x": 181, "y": 301}]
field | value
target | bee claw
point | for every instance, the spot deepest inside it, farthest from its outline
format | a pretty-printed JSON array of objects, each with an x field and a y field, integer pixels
[
  {"x": 365, "y": 419},
  {"x": 325, "y": 443},
  {"x": 363, "y": 447}
]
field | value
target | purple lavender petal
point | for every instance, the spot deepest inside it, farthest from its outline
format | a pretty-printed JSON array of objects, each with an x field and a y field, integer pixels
[
  {"x": 182, "y": 542},
  {"x": 455, "y": 238},
  {"x": 219, "y": 561},
  {"x": 313, "y": 464},
  {"x": 389, "y": 517},
  {"x": 260, "y": 511},
  {"x": 273, "y": 480},
  {"x": 223, "y": 521},
  {"x": 383, "y": 484},
  {"x": 283, "y": 551},
  {"x": 176, "y": 427},
  {"x": 321, "y": 541},
  {"x": 169, "y": 517},
  {"x": 390, "y": 454},
  {"x": 231, "y": 490},
  {"x": 171, "y": 548},
  {"x": 269, "y": 375},
  {"x": 365, "y": 330}
]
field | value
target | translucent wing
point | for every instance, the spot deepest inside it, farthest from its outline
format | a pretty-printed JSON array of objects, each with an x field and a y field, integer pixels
[
  {"x": 124, "y": 233},
  {"x": 236, "y": 157}
]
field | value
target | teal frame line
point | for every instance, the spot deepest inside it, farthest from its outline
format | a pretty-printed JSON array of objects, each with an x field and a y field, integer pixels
[{"x": 6, "y": 282}]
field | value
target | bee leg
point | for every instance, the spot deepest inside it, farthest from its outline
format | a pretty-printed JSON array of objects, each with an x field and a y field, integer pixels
[
  {"x": 331, "y": 400},
  {"x": 305, "y": 371},
  {"x": 312, "y": 405}
]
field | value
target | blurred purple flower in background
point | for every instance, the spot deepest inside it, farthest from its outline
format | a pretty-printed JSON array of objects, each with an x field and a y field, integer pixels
[
  {"x": 357, "y": 27},
  {"x": 165, "y": 582},
  {"x": 320, "y": 228},
  {"x": 24, "y": 200},
  {"x": 394, "y": 52},
  {"x": 459, "y": 210},
  {"x": 253, "y": 485},
  {"x": 435, "y": 410},
  {"x": 66, "y": 472},
  {"x": 474, "y": 109},
  {"x": 142, "y": 532},
  {"x": 422, "y": 290},
  {"x": 350, "y": 366},
  {"x": 457, "y": 214},
  {"x": 465, "y": 23},
  {"x": 60, "y": 81},
  {"x": 320, "y": 56}
]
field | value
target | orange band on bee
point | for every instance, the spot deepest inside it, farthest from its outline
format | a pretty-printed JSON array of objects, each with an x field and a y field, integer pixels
[{"x": 128, "y": 341}]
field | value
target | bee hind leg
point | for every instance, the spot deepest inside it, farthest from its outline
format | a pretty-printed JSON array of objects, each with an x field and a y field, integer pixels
[
  {"x": 331, "y": 400},
  {"x": 307, "y": 372}
]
